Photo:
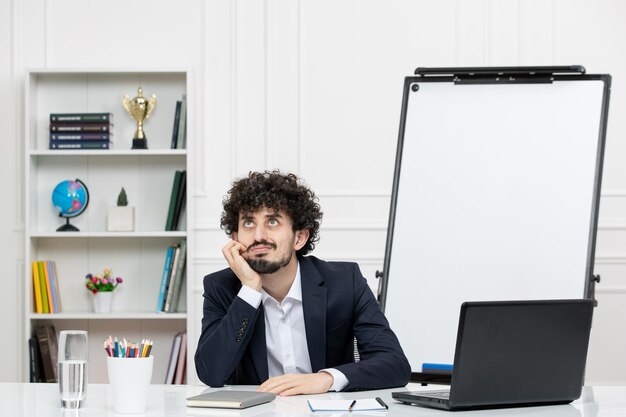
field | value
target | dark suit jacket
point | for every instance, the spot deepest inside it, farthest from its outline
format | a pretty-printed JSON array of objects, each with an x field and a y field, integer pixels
[{"x": 338, "y": 306}]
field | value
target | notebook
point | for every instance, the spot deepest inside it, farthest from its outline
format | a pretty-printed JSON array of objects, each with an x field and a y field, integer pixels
[
  {"x": 515, "y": 353},
  {"x": 230, "y": 399}
]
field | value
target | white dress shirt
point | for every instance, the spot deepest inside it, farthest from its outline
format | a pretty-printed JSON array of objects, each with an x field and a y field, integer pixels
[{"x": 285, "y": 335}]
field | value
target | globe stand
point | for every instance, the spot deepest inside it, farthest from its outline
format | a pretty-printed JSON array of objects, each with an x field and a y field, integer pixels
[{"x": 67, "y": 227}]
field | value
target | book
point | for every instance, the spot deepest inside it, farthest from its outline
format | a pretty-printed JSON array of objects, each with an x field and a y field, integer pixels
[
  {"x": 176, "y": 125},
  {"x": 78, "y": 127},
  {"x": 48, "y": 289},
  {"x": 182, "y": 127},
  {"x": 177, "y": 277},
  {"x": 49, "y": 268},
  {"x": 170, "y": 287},
  {"x": 171, "y": 369},
  {"x": 56, "y": 285},
  {"x": 365, "y": 404},
  {"x": 47, "y": 340},
  {"x": 91, "y": 144},
  {"x": 37, "y": 288},
  {"x": 182, "y": 356},
  {"x": 173, "y": 196},
  {"x": 80, "y": 136},
  {"x": 81, "y": 117},
  {"x": 230, "y": 399},
  {"x": 165, "y": 278},
  {"x": 35, "y": 360},
  {"x": 44, "y": 289},
  {"x": 180, "y": 200}
]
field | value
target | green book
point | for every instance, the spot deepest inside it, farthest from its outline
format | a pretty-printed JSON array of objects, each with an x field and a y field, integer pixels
[
  {"x": 44, "y": 288},
  {"x": 169, "y": 224}
]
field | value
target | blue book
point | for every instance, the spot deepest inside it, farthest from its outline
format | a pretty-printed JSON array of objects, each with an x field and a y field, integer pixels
[{"x": 165, "y": 279}]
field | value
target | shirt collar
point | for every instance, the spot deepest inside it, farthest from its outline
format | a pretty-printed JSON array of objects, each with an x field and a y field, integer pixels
[{"x": 295, "y": 292}]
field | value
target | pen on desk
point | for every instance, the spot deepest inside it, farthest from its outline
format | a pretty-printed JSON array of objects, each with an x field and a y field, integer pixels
[
  {"x": 352, "y": 405},
  {"x": 382, "y": 403}
]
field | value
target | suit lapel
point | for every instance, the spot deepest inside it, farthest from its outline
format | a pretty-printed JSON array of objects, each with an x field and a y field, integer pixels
[
  {"x": 258, "y": 348},
  {"x": 314, "y": 308}
]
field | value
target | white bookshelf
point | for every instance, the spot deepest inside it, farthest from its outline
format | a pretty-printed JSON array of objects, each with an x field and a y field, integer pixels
[{"x": 146, "y": 175}]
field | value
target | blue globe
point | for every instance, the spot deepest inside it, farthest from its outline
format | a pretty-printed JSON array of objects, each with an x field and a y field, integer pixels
[{"x": 70, "y": 198}]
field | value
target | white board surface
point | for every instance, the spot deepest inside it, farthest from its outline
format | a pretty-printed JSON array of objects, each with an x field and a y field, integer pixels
[{"x": 494, "y": 201}]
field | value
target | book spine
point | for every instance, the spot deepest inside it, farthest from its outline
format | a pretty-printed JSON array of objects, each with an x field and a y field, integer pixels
[
  {"x": 171, "y": 369},
  {"x": 89, "y": 127},
  {"x": 37, "y": 288},
  {"x": 180, "y": 200},
  {"x": 180, "y": 364},
  {"x": 46, "y": 358},
  {"x": 179, "y": 276},
  {"x": 81, "y": 117},
  {"x": 80, "y": 145},
  {"x": 182, "y": 127},
  {"x": 54, "y": 289},
  {"x": 176, "y": 125},
  {"x": 56, "y": 284},
  {"x": 164, "y": 279},
  {"x": 170, "y": 213},
  {"x": 48, "y": 287},
  {"x": 171, "y": 284},
  {"x": 80, "y": 136},
  {"x": 44, "y": 289}
]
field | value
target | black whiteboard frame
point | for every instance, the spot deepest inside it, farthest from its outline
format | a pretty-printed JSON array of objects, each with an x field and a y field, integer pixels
[{"x": 501, "y": 75}]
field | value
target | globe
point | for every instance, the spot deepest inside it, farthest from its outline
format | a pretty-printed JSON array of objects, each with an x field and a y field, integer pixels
[{"x": 70, "y": 198}]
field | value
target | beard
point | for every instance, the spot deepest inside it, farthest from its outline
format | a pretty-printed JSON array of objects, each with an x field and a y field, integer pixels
[{"x": 264, "y": 266}]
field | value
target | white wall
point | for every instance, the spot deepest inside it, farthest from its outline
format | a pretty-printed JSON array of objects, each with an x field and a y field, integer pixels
[{"x": 313, "y": 87}]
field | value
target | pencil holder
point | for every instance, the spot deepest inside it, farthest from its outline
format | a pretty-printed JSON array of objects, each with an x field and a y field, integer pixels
[{"x": 129, "y": 379}]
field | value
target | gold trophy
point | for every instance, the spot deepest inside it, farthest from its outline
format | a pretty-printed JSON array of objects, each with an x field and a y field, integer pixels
[{"x": 139, "y": 109}]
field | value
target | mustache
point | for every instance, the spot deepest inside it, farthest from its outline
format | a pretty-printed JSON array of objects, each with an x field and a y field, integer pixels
[{"x": 261, "y": 243}]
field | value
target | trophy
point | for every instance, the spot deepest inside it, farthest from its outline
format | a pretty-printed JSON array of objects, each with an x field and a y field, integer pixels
[{"x": 139, "y": 109}]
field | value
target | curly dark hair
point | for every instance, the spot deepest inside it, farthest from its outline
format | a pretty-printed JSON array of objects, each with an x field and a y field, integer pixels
[{"x": 277, "y": 191}]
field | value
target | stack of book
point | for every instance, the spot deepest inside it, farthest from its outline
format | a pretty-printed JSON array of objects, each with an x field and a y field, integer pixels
[
  {"x": 81, "y": 130},
  {"x": 172, "y": 280},
  {"x": 178, "y": 358},
  {"x": 43, "y": 349},
  {"x": 177, "y": 201},
  {"x": 46, "y": 287},
  {"x": 179, "y": 133}
]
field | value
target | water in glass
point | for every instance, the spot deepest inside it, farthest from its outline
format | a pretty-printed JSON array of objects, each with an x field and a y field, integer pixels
[{"x": 73, "y": 357}]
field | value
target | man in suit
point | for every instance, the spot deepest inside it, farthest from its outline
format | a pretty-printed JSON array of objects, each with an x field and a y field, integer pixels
[{"x": 282, "y": 320}]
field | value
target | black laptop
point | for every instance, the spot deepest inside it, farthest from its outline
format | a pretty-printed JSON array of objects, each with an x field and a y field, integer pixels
[{"x": 514, "y": 353}]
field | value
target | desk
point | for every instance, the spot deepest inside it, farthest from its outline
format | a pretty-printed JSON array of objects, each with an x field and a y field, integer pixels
[{"x": 42, "y": 400}]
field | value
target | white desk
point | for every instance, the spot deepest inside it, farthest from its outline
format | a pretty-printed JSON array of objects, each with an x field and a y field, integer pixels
[{"x": 42, "y": 400}]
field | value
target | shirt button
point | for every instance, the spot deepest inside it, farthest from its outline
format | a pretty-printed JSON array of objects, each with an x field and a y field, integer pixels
[{"x": 282, "y": 319}]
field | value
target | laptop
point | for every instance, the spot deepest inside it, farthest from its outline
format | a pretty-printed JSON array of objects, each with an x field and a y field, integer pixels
[{"x": 514, "y": 353}]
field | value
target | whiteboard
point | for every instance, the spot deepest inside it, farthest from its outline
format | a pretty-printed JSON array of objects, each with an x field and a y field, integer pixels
[{"x": 495, "y": 198}]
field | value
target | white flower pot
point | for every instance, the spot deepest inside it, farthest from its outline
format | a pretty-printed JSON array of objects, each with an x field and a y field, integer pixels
[
  {"x": 101, "y": 301},
  {"x": 121, "y": 219}
]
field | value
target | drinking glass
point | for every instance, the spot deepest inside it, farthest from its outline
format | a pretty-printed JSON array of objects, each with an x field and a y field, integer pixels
[{"x": 73, "y": 357}]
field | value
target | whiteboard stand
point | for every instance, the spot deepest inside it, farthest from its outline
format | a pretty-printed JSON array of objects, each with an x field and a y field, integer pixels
[{"x": 496, "y": 196}]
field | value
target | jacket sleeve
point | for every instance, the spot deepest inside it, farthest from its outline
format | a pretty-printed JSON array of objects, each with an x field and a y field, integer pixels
[
  {"x": 227, "y": 327},
  {"x": 382, "y": 362}
]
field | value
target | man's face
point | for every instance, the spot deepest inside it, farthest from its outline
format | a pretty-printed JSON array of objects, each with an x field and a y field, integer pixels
[{"x": 270, "y": 240}]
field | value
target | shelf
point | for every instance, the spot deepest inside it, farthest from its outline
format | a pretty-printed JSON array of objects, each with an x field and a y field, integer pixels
[
  {"x": 111, "y": 152},
  {"x": 109, "y": 316},
  {"x": 70, "y": 235}
]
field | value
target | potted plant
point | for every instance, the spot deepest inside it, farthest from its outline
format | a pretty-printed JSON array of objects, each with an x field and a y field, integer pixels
[
  {"x": 121, "y": 217},
  {"x": 101, "y": 287}
]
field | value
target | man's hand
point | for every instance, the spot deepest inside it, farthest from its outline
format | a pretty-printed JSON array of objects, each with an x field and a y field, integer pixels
[
  {"x": 232, "y": 252},
  {"x": 294, "y": 384}
]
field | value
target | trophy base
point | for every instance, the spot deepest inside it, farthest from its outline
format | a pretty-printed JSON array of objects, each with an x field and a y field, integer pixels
[{"x": 140, "y": 144}]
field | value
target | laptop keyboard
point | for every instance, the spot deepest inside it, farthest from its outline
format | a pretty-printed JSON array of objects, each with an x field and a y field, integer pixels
[{"x": 444, "y": 395}]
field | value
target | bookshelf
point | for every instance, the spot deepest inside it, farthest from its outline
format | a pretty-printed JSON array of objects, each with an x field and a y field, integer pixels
[{"x": 146, "y": 175}]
